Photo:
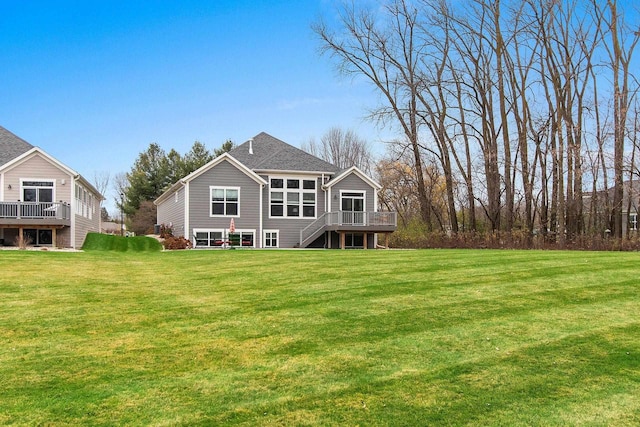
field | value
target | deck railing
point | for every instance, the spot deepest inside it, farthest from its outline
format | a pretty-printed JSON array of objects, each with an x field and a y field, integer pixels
[
  {"x": 348, "y": 218},
  {"x": 31, "y": 210}
]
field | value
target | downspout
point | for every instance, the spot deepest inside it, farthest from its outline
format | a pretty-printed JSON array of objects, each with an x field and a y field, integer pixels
[
  {"x": 261, "y": 235},
  {"x": 187, "y": 230},
  {"x": 72, "y": 212}
]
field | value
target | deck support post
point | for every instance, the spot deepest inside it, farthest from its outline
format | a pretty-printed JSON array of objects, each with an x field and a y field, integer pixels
[
  {"x": 364, "y": 240},
  {"x": 342, "y": 237}
]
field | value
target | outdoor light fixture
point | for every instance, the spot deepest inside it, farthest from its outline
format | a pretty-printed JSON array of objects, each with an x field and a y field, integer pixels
[{"x": 9, "y": 186}]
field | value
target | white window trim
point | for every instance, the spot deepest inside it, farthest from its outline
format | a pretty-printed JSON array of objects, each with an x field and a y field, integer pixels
[
  {"x": 206, "y": 230},
  {"x": 264, "y": 238},
  {"x": 221, "y": 187},
  {"x": 53, "y": 187},
  {"x": 300, "y": 192},
  {"x": 364, "y": 198},
  {"x": 225, "y": 236}
]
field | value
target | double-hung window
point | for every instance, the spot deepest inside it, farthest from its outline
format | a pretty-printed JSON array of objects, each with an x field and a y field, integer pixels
[
  {"x": 292, "y": 198},
  {"x": 225, "y": 201},
  {"x": 270, "y": 238}
]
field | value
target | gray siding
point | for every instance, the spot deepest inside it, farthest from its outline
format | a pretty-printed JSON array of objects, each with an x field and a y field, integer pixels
[
  {"x": 171, "y": 212},
  {"x": 355, "y": 183},
  {"x": 289, "y": 228},
  {"x": 225, "y": 174}
]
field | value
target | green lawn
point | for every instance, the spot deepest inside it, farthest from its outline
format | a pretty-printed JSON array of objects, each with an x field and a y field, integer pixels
[{"x": 438, "y": 337}]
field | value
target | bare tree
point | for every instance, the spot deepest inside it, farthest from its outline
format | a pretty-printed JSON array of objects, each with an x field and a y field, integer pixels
[
  {"x": 620, "y": 45},
  {"x": 342, "y": 148},
  {"x": 386, "y": 51},
  {"x": 101, "y": 181}
]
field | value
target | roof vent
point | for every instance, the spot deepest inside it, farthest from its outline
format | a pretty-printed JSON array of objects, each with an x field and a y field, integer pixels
[{"x": 251, "y": 146}]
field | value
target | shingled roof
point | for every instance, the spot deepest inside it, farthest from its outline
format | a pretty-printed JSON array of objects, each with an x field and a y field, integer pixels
[
  {"x": 11, "y": 146},
  {"x": 266, "y": 153}
]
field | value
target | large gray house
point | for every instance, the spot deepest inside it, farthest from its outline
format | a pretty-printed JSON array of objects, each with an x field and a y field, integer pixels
[
  {"x": 266, "y": 193},
  {"x": 42, "y": 201}
]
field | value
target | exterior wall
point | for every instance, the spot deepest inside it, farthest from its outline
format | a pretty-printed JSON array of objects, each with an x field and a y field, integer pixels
[
  {"x": 171, "y": 212},
  {"x": 289, "y": 228},
  {"x": 36, "y": 167},
  {"x": 224, "y": 174},
  {"x": 353, "y": 183},
  {"x": 84, "y": 225}
]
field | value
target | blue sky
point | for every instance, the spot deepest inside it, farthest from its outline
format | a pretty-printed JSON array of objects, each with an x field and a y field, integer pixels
[{"x": 93, "y": 83}]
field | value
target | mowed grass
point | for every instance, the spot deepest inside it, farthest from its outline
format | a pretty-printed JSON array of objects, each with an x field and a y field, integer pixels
[{"x": 437, "y": 337}]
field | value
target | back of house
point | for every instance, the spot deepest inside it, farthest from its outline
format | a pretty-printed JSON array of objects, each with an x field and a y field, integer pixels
[
  {"x": 266, "y": 193},
  {"x": 42, "y": 201}
]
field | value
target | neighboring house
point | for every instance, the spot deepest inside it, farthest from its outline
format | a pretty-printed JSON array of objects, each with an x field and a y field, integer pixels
[
  {"x": 266, "y": 193},
  {"x": 630, "y": 206},
  {"x": 42, "y": 201},
  {"x": 110, "y": 227}
]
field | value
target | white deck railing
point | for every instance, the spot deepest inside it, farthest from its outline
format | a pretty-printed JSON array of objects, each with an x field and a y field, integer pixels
[
  {"x": 30, "y": 210},
  {"x": 348, "y": 218}
]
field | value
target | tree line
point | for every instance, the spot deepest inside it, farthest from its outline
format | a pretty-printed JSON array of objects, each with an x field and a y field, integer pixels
[
  {"x": 513, "y": 115},
  {"x": 152, "y": 173}
]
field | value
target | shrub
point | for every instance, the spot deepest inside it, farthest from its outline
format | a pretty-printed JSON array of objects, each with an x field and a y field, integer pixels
[
  {"x": 173, "y": 243},
  {"x": 165, "y": 231}
]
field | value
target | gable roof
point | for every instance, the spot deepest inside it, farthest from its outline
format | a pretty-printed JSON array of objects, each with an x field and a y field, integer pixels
[
  {"x": 223, "y": 157},
  {"x": 15, "y": 150},
  {"x": 11, "y": 146},
  {"x": 353, "y": 170},
  {"x": 265, "y": 153}
]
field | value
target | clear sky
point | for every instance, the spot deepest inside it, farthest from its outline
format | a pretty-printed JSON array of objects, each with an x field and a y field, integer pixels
[{"x": 93, "y": 83}]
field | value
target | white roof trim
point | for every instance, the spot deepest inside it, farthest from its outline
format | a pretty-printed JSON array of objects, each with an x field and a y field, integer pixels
[
  {"x": 24, "y": 156},
  {"x": 37, "y": 150},
  {"x": 225, "y": 156},
  {"x": 193, "y": 175},
  {"x": 358, "y": 172}
]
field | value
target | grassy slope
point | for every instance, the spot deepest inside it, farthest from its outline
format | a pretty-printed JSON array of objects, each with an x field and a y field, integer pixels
[
  {"x": 109, "y": 242},
  {"x": 320, "y": 337}
]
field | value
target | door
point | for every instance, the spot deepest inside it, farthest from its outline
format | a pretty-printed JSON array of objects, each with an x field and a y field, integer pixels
[
  {"x": 38, "y": 237},
  {"x": 352, "y": 204}
]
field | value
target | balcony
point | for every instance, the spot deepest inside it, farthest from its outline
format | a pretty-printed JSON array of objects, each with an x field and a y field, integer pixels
[
  {"x": 29, "y": 213},
  {"x": 348, "y": 221}
]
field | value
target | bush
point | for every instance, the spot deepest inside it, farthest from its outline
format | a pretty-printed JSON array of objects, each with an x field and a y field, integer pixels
[
  {"x": 165, "y": 231},
  {"x": 173, "y": 243}
]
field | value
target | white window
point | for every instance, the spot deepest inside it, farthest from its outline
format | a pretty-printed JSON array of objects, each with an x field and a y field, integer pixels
[
  {"x": 222, "y": 238},
  {"x": 225, "y": 201},
  {"x": 208, "y": 238},
  {"x": 271, "y": 238},
  {"x": 633, "y": 222},
  {"x": 292, "y": 197},
  {"x": 40, "y": 191},
  {"x": 85, "y": 203}
]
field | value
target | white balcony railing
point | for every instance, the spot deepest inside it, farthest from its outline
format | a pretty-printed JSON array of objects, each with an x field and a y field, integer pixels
[
  {"x": 31, "y": 210},
  {"x": 348, "y": 218}
]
